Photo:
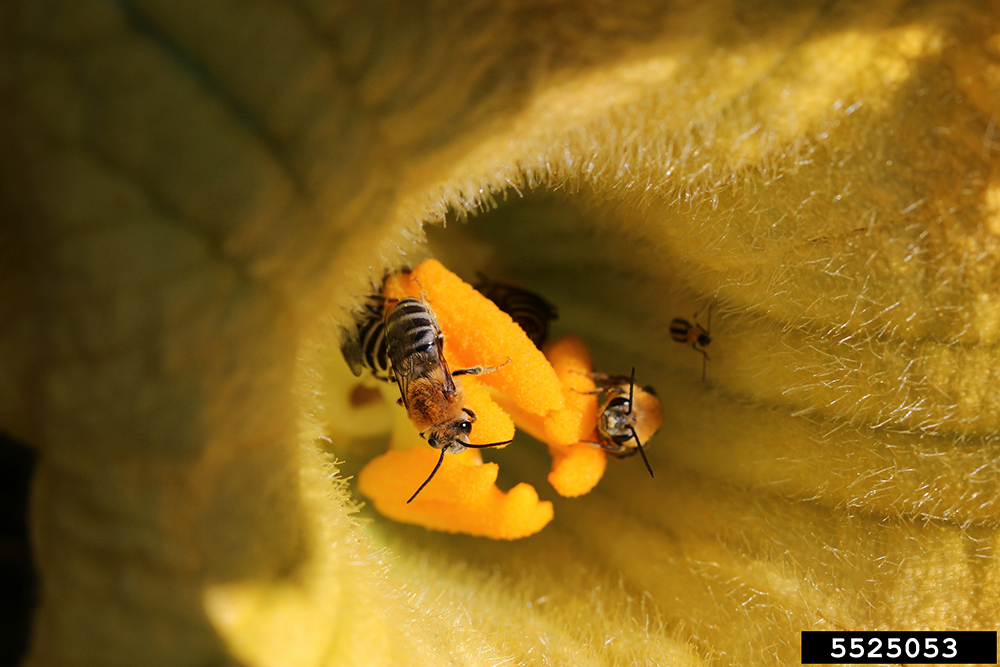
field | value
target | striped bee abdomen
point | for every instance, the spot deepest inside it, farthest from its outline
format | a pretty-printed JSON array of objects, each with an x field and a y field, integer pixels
[
  {"x": 679, "y": 329},
  {"x": 365, "y": 347},
  {"x": 683, "y": 331},
  {"x": 529, "y": 310},
  {"x": 410, "y": 328}
]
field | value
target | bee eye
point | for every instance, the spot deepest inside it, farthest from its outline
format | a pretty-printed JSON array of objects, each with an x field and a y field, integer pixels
[
  {"x": 617, "y": 402},
  {"x": 465, "y": 427}
]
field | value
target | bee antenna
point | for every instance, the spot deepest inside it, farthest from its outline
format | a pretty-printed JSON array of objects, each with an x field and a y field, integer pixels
[
  {"x": 631, "y": 386},
  {"x": 492, "y": 444},
  {"x": 434, "y": 472},
  {"x": 423, "y": 294},
  {"x": 641, "y": 451}
]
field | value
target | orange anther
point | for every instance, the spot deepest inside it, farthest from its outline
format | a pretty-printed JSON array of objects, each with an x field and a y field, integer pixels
[
  {"x": 477, "y": 333},
  {"x": 570, "y": 359},
  {"x": 576, "y": 466},
  {"x": 462, "y": 498},
  {"x": 576, "y": 469}
]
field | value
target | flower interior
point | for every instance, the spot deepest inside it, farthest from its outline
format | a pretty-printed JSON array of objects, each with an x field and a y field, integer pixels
[{"x": 549, "y": 397}]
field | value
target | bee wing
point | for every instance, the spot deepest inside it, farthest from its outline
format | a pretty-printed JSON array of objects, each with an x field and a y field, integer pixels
[
  {"x": 402, "y": 377},
  {"x": 424, "y": 365},
  {"x": 448, "y": 382}
]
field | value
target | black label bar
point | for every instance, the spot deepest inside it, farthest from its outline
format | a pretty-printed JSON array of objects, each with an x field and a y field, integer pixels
[{"x": 860, "y": 648}]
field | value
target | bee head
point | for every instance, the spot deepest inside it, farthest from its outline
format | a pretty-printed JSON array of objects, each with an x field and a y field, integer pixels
[
  {"x": 449, "y": 435},
  {"x": 704, "y": 339}
]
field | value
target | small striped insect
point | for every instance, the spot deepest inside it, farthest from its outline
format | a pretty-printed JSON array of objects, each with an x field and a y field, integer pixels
[
  {"x": 628, "y": 417},
  {"x": 529, "y": 310},
  {"x": 683, "y": 331},
  {"x": 363, "y": 346},
  {"x": 431, "y": 393}
]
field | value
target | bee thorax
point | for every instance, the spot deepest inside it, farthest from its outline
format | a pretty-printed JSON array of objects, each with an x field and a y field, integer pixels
[{"x": 429, "y": 406}]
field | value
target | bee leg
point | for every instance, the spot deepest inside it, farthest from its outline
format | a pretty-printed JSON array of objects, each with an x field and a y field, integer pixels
[
  {"x": 610, "y": 391},
  {"x": 709, "y": 307},
  {"x": 399, "y": 401},
  {"x": 704, "y": 362},
  {"x": 592, "y": 376},
  {"x": 616, "y": 451},
  {"x": 423, "y": 297},
  {"x": 605, "y": 378},
  {"x": 479, "y": 370},
  {"x": 423, "y": 294},
  {"x": 472, "y": 415},
  {"x": 705, "y": 358},
  {"x": 623, "y": 453}
]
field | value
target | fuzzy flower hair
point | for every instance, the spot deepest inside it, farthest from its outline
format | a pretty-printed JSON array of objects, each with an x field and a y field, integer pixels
[{"x": 195, "y": 195}]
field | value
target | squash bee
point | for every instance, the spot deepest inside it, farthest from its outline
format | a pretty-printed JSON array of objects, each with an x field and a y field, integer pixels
[
  {"x": 629, "y": 416},
  {"x": 364, "y": 346},
  {"x": 683, "y": 331},
  {"x": 429, "y": 390},
  {"x": 529, "y": 310}
]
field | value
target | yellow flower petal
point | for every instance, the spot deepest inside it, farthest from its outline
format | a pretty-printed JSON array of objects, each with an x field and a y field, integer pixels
[{"x": 192, "y": 195}]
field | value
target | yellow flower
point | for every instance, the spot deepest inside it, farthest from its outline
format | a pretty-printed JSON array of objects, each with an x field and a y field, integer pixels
[{"x": 199, "y": 191}]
